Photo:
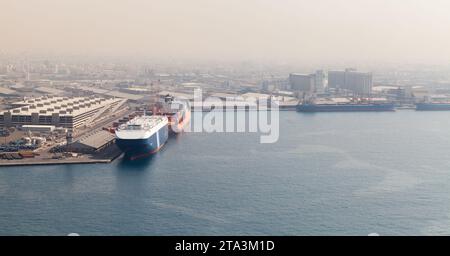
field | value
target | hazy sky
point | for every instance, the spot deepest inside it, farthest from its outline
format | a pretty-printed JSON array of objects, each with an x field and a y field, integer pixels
[{"x": 292, "y": 30}]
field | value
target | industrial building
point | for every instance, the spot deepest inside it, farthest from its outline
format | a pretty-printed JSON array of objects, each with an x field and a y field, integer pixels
[
  {"x": 302, "y": 82},
  {"x": 181, "y": 95},
  {"x": 108, "y": 93},
  {"x": 67, "y": 112},
  {"x": 307, "y": 82},
  {"x": 351, "y": 80},
  {"x": 128, "y": 96},
  {"x": 49, "y": 90}
]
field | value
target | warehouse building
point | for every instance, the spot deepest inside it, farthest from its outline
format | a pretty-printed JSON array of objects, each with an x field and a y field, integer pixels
[
  {"x": 49, "y": 90},
  {"x": 128, "y": 96},
  {"x": 7, "y": 92},
  {"x": 92, "y": 143},
  {"x": 67, "y": 112},
  {"x": 38, "y": 128},
  {"x": 307, "y": 83}
]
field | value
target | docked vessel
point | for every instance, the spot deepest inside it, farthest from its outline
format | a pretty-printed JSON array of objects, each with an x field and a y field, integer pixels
[
  {"x": 177, "y": 111},
  {"x": 142, "y": 136},
  {"x": 432, "y": 106},
  {"x": 345, "y": 104},
  {"x": 311, "y": 107}
]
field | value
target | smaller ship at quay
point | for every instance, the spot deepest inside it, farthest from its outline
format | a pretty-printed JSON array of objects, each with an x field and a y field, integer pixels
[
  {"x": 433, "y": 106},
  {"x": 177, "y": 111},
  {"x": 142, "y": 136}
]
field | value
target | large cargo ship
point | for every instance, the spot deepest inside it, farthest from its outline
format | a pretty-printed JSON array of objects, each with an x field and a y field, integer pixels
[
  {"x": 432, "y": 106},
  {"x": 348, "y": 107},
  {"x": 177, "y": 111},
  {"x": 142, "y": 136}
]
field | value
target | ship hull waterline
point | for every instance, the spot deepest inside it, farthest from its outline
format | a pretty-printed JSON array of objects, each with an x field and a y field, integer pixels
[
  {"x": 134, "y": 149},
  {"x": 432, "y": 106}
]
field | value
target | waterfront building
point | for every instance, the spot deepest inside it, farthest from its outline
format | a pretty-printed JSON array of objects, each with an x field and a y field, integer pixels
[{"x": 67, "y": 112}]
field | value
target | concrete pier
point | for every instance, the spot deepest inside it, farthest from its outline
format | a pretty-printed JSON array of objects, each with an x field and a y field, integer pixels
[{"x": 84, "y": 159}]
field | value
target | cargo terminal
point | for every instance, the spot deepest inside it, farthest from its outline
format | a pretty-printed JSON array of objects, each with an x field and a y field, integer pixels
[{"x": 51, "y": 129}]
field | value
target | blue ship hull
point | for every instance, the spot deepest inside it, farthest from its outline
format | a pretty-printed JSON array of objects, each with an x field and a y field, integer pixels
[
  {"x": 140, "y": 148},
  {"x": 432, "y": 106},
  {"x": 345, "y": 107}
]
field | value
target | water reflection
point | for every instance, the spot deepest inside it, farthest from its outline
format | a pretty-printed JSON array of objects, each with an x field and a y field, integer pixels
[
  {"x": 144, "y": 163},
  {"x": 125, "y": 164}
]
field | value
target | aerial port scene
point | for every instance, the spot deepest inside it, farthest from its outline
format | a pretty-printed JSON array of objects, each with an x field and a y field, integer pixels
[
  {"x": 224, "y": 126},
  {"x": 50, "y": 116}
]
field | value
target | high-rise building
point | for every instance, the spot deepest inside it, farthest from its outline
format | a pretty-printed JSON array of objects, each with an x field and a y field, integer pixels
[
  {"x": 319, "y": 81},
  {"x": 265, "y": 85},
  {"x": 351, "y": 80}
]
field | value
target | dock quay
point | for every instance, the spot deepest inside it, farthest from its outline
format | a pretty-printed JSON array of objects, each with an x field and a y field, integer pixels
[
  {"x": 44, "y": 159},
  {"x": 96, "y": 147},
  {"x": 54, "y": 162}
]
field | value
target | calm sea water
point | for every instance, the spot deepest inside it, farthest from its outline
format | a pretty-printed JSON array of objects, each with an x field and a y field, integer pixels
[{"x": 329, "y": 174}]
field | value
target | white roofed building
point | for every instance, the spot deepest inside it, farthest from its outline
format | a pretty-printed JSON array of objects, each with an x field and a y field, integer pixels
[{"x": 68, "y": 112}]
